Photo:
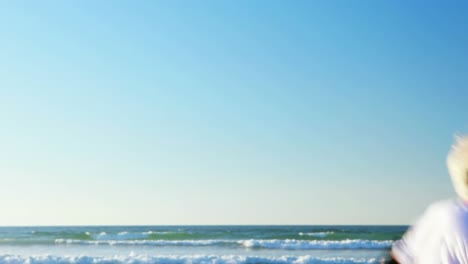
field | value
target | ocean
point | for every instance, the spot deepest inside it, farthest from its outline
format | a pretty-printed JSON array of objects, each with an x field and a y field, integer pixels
[{"x": 197, "y": 244}]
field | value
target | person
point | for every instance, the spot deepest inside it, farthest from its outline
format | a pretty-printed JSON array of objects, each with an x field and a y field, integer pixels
[{"x": 441, "y": 233}]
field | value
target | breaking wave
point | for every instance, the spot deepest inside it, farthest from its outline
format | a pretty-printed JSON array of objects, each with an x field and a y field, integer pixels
[
  {"x": 290, "y": 244},
  {"x": 192, "y": 259},
  {"x": 317, "y": 234}
]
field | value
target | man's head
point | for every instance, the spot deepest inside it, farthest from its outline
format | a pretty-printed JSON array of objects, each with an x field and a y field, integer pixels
[{"x": 457, "y": 163}]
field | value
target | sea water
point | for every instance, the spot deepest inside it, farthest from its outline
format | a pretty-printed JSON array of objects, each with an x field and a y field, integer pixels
[{"x": 197, "y": 244}]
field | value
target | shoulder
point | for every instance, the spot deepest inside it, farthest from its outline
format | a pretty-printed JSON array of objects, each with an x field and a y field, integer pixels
[
  {"x": 445, "y": 204},
  {"x": 442, "y": 208}
]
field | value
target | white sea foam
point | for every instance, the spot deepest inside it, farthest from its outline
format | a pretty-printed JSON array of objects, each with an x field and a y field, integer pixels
[
  {"x": 290, "y": 244},
  {"x": 317, "y": 234},
  {"x": 192, "y": 259},
  {"x": 144, "y": 242},
  {"x": 317, "y": 244},
  {"x": 122, "y": 236}
]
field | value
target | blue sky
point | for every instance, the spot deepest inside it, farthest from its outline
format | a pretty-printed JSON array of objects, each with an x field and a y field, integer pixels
[{"x": 228, "y": 112}]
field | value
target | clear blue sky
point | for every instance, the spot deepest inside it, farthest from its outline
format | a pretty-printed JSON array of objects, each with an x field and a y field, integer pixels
[{"x": 228, "y": 112}]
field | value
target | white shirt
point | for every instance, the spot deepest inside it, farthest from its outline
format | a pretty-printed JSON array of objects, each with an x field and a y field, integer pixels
[{"x": 440, "y": 236}]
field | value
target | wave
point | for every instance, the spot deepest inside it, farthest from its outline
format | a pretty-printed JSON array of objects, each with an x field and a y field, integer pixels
[
  {"x": 144, "y": 242},
  {"x": 192, "y": 259},
  {"x": 122, "y": 236},
  {"x": 290, "y": 244},
  {"x": 105, "y": 235},
  {"x": 318, "y": 244},
  {"x": 316, "y": 234},
  {"x": 63, "y": 234}
]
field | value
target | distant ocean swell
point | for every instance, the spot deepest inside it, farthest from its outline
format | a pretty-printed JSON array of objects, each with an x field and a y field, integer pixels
[
  {"x": 187, "y": 235},
  {"x": 250, "y": 243},
  {"x": 193, "y": 259}
]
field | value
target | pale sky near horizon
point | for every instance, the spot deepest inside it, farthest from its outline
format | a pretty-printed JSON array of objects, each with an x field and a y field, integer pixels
[{"x": 228, "y": 112}]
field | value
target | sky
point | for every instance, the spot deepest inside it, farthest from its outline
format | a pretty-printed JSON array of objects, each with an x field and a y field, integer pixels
[{"x": 228, "y": 112}]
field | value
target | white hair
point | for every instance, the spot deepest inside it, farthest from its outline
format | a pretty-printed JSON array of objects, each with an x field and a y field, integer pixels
[{"x": 457, "y": 163}]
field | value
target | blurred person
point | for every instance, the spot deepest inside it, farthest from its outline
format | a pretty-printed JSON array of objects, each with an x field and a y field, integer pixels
[{"x": 441, "y": 233}]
